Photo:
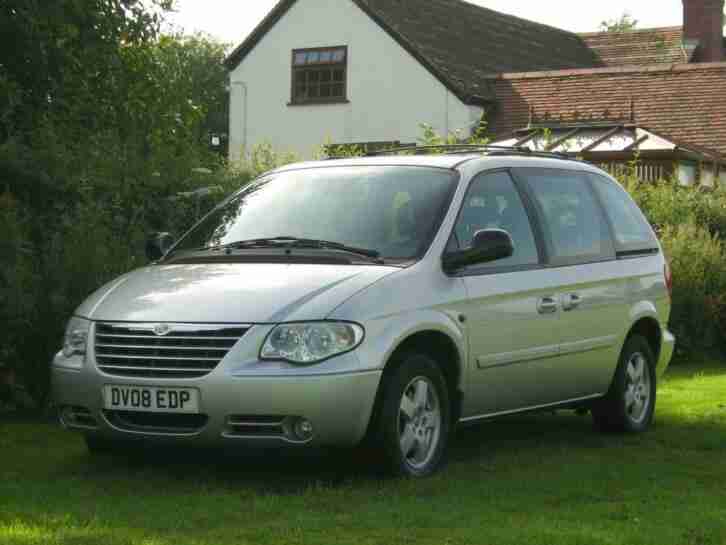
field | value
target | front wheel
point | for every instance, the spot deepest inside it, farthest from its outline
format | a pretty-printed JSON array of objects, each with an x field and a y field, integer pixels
[
  {"x": 415, "y": 419},
  {"x": 630, "y": 403}
]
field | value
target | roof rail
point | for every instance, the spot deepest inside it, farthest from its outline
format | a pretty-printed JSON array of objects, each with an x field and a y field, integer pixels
[{"x": 451, "y": 149}]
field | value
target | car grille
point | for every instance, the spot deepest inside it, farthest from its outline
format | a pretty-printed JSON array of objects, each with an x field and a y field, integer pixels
[
  {"x": 157, "y": 422},
  {"x": 173, "y": 351}
]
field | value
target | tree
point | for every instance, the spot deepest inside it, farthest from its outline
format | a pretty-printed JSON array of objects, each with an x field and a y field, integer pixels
[
  {"x": 194, "y": 79},
  {"x": 101, "y": 120},
  {"x": 624, "y": 23},
  {"x": 58, "y": 55}
]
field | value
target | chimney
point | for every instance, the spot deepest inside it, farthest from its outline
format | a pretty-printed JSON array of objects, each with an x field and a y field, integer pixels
[{"x": 703, "y": 23}]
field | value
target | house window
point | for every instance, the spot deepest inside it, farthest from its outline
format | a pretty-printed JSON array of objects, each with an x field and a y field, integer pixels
[
  {"x": 319, "y": 75},
  {"x": 687, "y": 173}
]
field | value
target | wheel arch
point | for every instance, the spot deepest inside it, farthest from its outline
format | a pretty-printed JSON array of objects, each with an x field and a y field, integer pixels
[
  {"x": 649, "y": 328},
  {"x": 434, "y": 342},
  {"x": 644, "y": 320}
]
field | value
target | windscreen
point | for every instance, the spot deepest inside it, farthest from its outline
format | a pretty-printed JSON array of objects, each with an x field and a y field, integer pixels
[{"x": 393, "y": 210}]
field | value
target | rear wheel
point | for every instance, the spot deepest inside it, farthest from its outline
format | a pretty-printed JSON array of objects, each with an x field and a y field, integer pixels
[
  {"x": 415, "y": 418},
  {"x": 630, "y": 402}
]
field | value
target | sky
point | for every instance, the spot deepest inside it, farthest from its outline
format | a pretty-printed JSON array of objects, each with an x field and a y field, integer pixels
[{"x": 232, "y": 20}]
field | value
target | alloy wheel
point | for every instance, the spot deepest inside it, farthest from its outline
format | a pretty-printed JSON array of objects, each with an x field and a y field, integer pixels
[
  {"x": 419, "y": 422},
  {"x": 637, "y": 388}
]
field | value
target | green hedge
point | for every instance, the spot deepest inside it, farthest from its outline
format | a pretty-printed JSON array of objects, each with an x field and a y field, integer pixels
[
  {"x": 51, "y": 261},
  {"x": 666, "y": 204},
  {"x": 691, "y": 224}
]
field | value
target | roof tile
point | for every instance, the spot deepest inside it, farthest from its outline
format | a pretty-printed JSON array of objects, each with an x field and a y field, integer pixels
[
  {"x": 466, "y": 41},
  {"x": 683, "y": 102},
  {"x": 639, "y": 47}
]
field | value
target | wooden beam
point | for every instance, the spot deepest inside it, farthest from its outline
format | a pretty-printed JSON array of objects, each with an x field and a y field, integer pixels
[
  {"x": 636, "y": 145},
  {"x": 526, "y": 139},
  {"x": 560, "y": 141},
  {"x": 604, "y": 138}
]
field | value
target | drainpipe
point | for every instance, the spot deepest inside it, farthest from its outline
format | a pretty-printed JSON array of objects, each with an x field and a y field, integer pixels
[
  {"x": 446, "y": 121},
  {"x": 244, "y": 110}
]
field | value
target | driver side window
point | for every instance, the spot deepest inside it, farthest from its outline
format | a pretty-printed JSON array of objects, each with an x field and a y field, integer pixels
[{"x": 493, "y": 202}]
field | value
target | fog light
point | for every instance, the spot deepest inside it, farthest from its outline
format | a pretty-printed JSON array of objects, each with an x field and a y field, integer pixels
[
  {"x": 303, "y": 429},
  {"x": 68, "y": 415}
]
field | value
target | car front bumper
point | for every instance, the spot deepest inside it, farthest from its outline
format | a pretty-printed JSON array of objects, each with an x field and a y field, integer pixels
[{"x": 251, "y": 410}]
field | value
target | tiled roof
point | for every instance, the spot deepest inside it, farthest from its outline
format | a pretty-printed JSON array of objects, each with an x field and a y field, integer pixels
[
  {"x": 465, "y": 41},
  {"x": 639, "y": 47},
  {"x": 684, "y": 103},
  {"x": 459, "y": 42}
]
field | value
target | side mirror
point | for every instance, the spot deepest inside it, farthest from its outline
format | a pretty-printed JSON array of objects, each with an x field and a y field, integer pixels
[
  {"x": 157, "y": 245},
  {"x": 488, "y": 245}
]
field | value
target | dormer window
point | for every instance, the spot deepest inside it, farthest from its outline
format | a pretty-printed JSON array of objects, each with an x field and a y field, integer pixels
[{"x": 319, "y": 75}]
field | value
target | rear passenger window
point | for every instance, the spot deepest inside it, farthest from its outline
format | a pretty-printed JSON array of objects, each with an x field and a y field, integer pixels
[
  {"x": 493, "y": 202},
  {"x": 575, "y": 228},
  {"x": 631, "y": 229}
]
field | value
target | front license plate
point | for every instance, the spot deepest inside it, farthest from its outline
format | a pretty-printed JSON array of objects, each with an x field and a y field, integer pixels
[{"x": 151, "y": 399}]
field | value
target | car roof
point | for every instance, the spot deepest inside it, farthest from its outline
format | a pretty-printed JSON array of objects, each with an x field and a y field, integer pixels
[
  {"x": 432, "y": 161},
  {"x": 447, "y": 161}
]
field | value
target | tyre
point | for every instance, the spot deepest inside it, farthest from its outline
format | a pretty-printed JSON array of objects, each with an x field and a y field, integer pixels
[
  {"x": 414, "y": 422},
  {"x": 630, "y": 403}
]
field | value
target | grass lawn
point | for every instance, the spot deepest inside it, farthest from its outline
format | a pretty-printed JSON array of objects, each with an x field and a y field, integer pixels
[{"x": 523, "y": 480}]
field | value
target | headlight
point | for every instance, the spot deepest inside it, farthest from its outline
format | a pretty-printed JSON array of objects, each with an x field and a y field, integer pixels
[
  {"x": 76, "y": 337},
  {"x": 309, "y": 343}
]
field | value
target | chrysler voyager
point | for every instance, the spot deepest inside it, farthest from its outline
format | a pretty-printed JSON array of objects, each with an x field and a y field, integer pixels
[{"x": 386, "y": 299}]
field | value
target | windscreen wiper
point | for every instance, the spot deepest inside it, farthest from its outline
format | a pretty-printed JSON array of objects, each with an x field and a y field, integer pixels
[{"x": 295, "y": 242}]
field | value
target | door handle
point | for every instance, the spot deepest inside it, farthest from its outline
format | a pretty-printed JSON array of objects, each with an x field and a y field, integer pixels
[
  {"x": 571, "y": 302},
  {"x": 547, "y": 305}
]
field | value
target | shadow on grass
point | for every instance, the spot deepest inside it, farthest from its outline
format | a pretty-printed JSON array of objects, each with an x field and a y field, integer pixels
[{"x": 292, "y": 471}]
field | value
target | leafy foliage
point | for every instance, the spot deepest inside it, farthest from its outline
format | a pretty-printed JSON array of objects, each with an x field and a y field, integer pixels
[
  {"x": 691, "y": 225},
  {"x": 669, "y": 204},
  {"x": 432, "y": 138},
  {"x": 624, "y": 23},
  {"x": 699, "y": 279},
  {"x": 102, "y": 123}
]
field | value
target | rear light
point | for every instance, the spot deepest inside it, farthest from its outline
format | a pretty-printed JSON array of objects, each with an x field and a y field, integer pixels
[{"x": 668, "y": 279}]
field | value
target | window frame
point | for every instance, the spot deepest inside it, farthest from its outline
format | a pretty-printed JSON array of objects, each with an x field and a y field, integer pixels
[
  {"x": 294, "y": 69},
  {"x": 623, "y": 251},
  {"x": 484, "y": 269},
  {"x": 553, "y": 262}
]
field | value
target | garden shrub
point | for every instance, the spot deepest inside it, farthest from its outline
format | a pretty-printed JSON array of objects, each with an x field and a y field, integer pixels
[
  {"x": 667, "y": 203},
  {"x": 53, "y": 256},
  {"x": 698, "y": 265}
]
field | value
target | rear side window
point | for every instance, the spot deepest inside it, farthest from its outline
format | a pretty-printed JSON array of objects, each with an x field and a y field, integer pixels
[
  {"x": 576, "y": 230},
  {"x": 630, "y": 228}
]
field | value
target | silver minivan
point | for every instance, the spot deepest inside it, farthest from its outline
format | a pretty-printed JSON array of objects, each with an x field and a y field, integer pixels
[{"x": 384, "y": 299}]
